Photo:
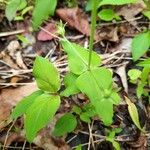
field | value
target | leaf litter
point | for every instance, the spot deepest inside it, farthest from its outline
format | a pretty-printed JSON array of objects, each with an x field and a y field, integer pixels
[{"x": 114, "y": 45}]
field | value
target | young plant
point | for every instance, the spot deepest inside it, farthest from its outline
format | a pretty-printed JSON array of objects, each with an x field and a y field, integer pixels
[
  {"x": 108, "y": 15},
  {"x": 140, "y": 45},
  {"x": 41, "y": 11},
  {"x": 96, "y": 82},
  {"x": 111, "y": 138},
  {"x": 141, "y": 78}
]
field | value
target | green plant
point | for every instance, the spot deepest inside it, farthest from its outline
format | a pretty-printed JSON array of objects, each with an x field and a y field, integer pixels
[
  {"x": 140, "y": 45},
  {"x": 134, "y": 114},
  {"x": 108, "y": 15},
  {"x": 39, "y": 14},
  {"x": 96, "y": 82},
  {"x": 141, "y": 78},
  {"x": 111, "y": 138}
]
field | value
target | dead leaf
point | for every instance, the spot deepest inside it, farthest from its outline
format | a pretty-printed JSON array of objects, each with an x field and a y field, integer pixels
[
  {"x": 121, "y": 71},
  {"x": 12, "y": 47},
  {"x": 19, "y": 60},
  {"x": 45, "y": 140},
  {"x": 43, "y": 36},
  {"x": 108, "y": 33},
  {"x": 130, "y": 11},
  {"x": 75, "y": 19},
  {"x": 10, "y": 97}
]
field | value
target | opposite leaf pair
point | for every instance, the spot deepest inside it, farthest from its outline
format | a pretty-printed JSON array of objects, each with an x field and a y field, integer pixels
[
  {"x": 40, "y": 107},
  {"x": 96, "y": 83}
]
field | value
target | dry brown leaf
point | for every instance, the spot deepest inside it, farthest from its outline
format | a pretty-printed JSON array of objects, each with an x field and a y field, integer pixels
[
  {"x": 108, "y": 33},
  {"x": 43, "y": 36},
  {"x": 19, "y": 60},
  {"x": 10, "y": 97},
  {"x": 45, "y": 140},
  {"x": 130, "y": 11},
  {"x": 75, "y": 19}
]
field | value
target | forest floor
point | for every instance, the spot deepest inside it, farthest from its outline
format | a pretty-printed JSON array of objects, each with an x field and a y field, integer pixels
[{"x": 112, "y": 42}]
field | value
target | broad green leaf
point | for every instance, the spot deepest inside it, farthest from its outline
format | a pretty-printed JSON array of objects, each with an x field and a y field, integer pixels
[
  {"x": 134, "y": 74},
  {"x": 40, "y": 113},
  {"x": 115, "y": 98},
  {"x": 89, "y": 109},
  {"x": 116, "y": 2},
  {"x": 23, "y": 4},
  {"x": 89, "y": 5},
  {"x": 78, "y": 57},
  {"x": 43, "y": 9},
  {"x": 84, "y": 117},
  {"x": 116, "y": 145},
  {"x": 144, "y": 78},
  {"x": 12, "y": 7},
  {"x": 133, "y": 113},
  {"x": 46, "y": 75},
  {"x": 140, "y": 45},
  {"x": 71, "y": 88},
  {"x": 108, "y": 2},
  {"x": 108, "y": 15},
  {"x": 144, "y": 63},
  {"x": 66, "y": 124},
  {"x": 24, "y": 104},
  {"x": 96, "y": 84},
  {"x": 76, "y": 109},
  {"x": 104, "y": 108}
]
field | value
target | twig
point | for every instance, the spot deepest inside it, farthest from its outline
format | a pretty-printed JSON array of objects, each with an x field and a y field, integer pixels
[
  {"x": 3, "y": 34},
  {"x": 8, "y": 135},
  {"x": 120, "y": 22}
]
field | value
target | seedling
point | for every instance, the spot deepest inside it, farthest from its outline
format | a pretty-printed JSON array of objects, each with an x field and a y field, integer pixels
[
  {"x": 141, "y": 78},
  {"x": 84, "y": 76}
]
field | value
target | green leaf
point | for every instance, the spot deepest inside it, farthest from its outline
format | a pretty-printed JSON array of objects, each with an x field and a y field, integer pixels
[
  {"x": 89, "y": 5},
  {"x": 46, "y": 75},
  {"x": 76, "y": 110},
  {"x": 24, "y": 104},
  {"x": 133, "y": 113},
  {"x": 78, "y": 57},
  {"x": 134, "y": 74},
  {"x": 40, "y": 113},
  {"x": 116, "y": 145},
  {"x": 71, "y": 88},
  {"x": 147, "y": 14},
  {"x": 66, "y": 124},
  {"x": 100, "y": 93},
  {"x": 79, "y": 147},
  {"x": 108, "y": 15},
  {"x": 116, "y": 2},
  {"x": 104, "y": 108},
  {"x": 42, "y": 11},
  {"x": 23, "y": 4},
  {"x": 12, "y": 7},
  {"x": 84, "y": 117},
  {"x": 144, "y": 63},
  {"x": 140, "y": 45}
]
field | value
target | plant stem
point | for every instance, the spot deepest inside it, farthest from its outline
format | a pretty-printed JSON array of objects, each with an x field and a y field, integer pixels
[{"x": 93, "y": 26}]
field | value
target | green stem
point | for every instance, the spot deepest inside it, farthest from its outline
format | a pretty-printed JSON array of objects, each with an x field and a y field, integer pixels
[{"x": 93, "y": 26}]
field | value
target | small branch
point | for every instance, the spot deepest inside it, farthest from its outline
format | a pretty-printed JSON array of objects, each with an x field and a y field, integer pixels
[{"x": 3, "y": 34}]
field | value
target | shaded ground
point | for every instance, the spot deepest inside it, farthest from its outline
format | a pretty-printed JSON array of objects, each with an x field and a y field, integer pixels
[{"x": 112, "y": 42}]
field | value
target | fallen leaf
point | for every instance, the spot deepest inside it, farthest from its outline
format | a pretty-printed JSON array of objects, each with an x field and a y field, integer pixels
[
  {"x": 43, "y": 36},
  {"x": 121, "y": 71},
  {"x": 10, "y": 97},
  {"x": 130, "y": 11},
  {"x": 75, "y": 19},
  {"x": 108, "y": 33}
]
